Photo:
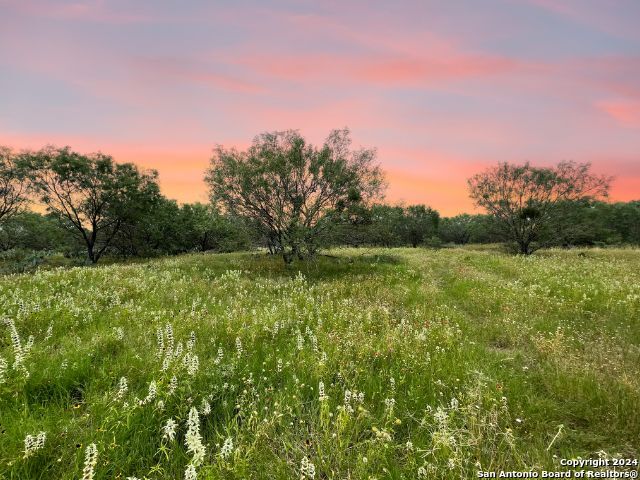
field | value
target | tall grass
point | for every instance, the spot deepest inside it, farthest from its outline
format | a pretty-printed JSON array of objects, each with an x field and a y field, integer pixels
[{"x": 379, "y": 364}]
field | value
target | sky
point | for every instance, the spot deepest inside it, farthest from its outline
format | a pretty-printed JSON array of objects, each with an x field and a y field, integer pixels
[{"x": 442, "y": 89}]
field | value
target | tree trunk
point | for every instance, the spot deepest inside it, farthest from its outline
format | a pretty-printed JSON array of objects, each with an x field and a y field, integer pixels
[
  {"x": 91, "y": 255},
  {"x": 524, "y": 248},
  {"x": 91, "y": 243},
  {"x": 287, "y": 257}
]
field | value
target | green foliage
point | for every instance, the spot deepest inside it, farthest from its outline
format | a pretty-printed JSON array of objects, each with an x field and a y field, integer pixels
[
  {"x": 465, "y": 228},
  {"x": 19, "y": 260},
  {"x": 13, "y": 187},
  {"x": 386, "y": 226},
  {"x": 168, "y": 229},
  {"x": 591, "y": 223},
  {"x": 157, "y": 230},
  {"x": 524, "y": 199},
  {"x": 207, "y": 229},
  {"x": 622, "y": 220},
  {"x": 291, "y": 188},
  {"x": 32, "y": 231},
  {"x": 420, "y": 223},
  {"x": 457, "y": 229},
  {"x": 92, "y": 196}
]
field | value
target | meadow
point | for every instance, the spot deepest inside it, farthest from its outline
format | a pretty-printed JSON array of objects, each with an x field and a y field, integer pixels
[{"x": 365, "y": 364}]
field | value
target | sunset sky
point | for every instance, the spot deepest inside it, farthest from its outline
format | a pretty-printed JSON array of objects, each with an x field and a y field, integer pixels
[{"x": 441, "y": 88}]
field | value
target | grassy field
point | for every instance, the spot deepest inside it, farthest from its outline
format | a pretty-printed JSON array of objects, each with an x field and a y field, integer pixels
[{"x": 372, "y": 364}]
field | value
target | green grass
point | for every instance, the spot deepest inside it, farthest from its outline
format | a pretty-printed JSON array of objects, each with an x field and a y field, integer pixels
[{"x": 456, "y": 360}]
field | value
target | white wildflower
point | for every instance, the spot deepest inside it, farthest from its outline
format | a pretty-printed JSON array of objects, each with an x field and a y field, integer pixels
[
  {"x": 49, "y": 332},
  {"x": 192, "y": 341},
  {"x": 321, "y": 393},
  {"x": 18, "y": 351},
  {"x": 168, "y": 330},
  {"x": 33, "y": 443},
  {"x": 440, "y": 415},
  {"x": 307, "y": 469},
  {"x": 347, "y": 401},
  {"x": 90, "y": 460},
  {"x": 3, "y": 369},
  {"x": 160, "y": 340},
  {"x": 227, "y": 448},
  {"x": 118, "y": 332},
  {"x": 169, "y": 430},
  {"x": 29, "y": 344},
  {"x": 193, "y": 364},
  {"x": 166, "y": 362},
  {"x": 190, "y": 473},
  {"x": 389, "y": 404},
  {"x": 173, "y": 385},
  {"x": 122, "y": 389},
  {"x": 153, "y": 389},
  {"x": 218, "y": 358},
  {"x": 193, "y": 440}
]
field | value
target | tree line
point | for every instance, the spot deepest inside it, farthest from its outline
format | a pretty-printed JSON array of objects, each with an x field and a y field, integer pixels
[{"x": 293, "y": 199}]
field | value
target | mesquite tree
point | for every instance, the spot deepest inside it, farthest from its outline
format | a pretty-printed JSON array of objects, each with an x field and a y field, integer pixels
[
  {"x": 523, "y": 199},
  {"x": 292, "y": 188},
  {"x": 12, "y": 185},
  {"x": 91, "y": 195}
]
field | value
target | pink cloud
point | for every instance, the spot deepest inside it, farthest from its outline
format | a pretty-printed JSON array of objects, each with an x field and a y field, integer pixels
[
  {"x": 426, "y": 70},
  {"x": 383, "y": 69},
  {"x": 378, "y": 51},
  {"x": 625, "y": 112},
  {"x": 377, "y": 34}
]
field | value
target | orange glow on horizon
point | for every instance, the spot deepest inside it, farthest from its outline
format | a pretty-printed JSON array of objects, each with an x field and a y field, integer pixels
[{"x": 440, "y": 184}]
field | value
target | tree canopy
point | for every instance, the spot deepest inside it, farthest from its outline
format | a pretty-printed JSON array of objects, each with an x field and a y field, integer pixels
[
  {"x": 13, "y": 185},
  {"x": 523, "y": 199},
  {"x": 291, "y": 188},
  {"x": 93, "y": 196}
]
